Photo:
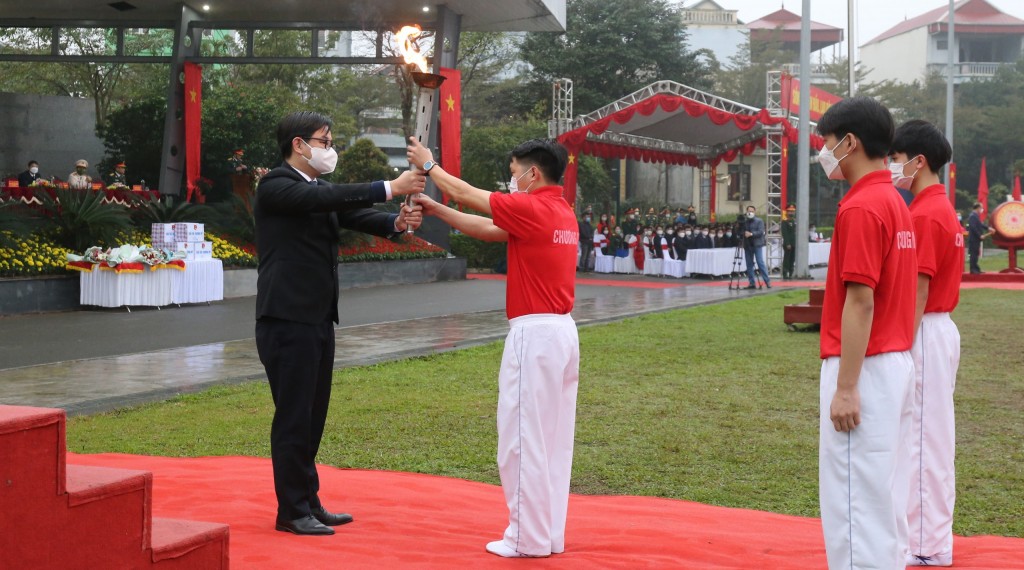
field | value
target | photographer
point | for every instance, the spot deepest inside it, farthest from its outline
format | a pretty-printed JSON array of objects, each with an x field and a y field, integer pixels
[{"x": 753, "y": 242}]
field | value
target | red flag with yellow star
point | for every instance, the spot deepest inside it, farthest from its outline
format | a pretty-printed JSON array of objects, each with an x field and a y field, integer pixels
[
  {"x": 450, "y": 119},
  {"x": 569, "y": 178},
  {"x": 193, "y": 125}
]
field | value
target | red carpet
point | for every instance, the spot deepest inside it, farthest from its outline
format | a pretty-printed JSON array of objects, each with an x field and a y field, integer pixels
[{"x": 422, "y": 521}]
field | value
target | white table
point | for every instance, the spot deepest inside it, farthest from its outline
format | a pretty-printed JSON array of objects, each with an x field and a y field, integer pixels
[
  {"x": 202, "y": 281},
  {"x": 818, "y": 252},
  {"x": 715, "y": 262}
]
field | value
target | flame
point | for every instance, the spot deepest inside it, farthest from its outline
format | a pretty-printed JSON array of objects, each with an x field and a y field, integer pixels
[{"x": 406, "y": 40}]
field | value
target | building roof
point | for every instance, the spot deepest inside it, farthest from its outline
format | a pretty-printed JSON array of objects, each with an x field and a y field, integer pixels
[
  {"x": 785, "y": 26},
  {"x": 971, "y": 16},
  {"x": 477, "y": 15}
]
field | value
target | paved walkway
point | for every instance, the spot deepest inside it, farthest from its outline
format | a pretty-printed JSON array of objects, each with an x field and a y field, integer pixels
[{"x": 95, "y": 360}]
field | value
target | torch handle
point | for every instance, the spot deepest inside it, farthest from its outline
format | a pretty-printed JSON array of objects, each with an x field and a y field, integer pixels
[{"x": 408, "y": 202}]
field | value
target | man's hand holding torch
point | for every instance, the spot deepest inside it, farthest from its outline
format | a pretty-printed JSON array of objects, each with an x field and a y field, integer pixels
[{"x": 408, "y": 184}]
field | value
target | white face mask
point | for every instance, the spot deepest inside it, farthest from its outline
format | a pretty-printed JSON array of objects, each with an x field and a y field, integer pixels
[
  {"x": 34, "y": 170},
  {"x": 660, "y": 232},
  {"x": 647, "y": 233},
  {"x": 703, "y": 233},
  {"x": 513, "y": 185},
  {"x": 689, "y": 234},
  {"x": 900, "y": 180},
  {"x": 323, "y": 160},
  {"x": 670, "y": 232},
  {"x": 719, "y": 234},
  {"x": 728, "y": 234},
  {"x": 830, "y": 164},
  {"x": 750, "y": 214}
]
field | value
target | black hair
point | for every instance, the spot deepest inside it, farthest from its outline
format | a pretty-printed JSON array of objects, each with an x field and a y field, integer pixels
[
  {"x": 547, "y": 155},
  {"x": 299, "y": 124},
  {"x": 976, "y": 206},
  {"x": 917, "y": 137},
  {"x": 749, "y": 206},
  {"x": 31, "y": 162},
  {"x": 865, "y": 118}
]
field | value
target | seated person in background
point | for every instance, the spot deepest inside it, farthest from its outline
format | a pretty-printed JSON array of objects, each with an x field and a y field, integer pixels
[
  {"x": 25, "y": 179},
  {"x": 701, "y": 239},
  {"x": 648, "y": 240},
  {"x": 729, "y": 240},
  {"x": 657, "y": 249},
  {"x": 117, "y": 178},
  {"x": 618, "y": 242},
  {"x": 79, "y": 180},
  {"x": 720, "y": 240},
  {"x": 684, "y": 241},
  {"x": 602, "y": 226},
  {"x": 813, "y": 235},
  {"x": 670, "y": 242}
]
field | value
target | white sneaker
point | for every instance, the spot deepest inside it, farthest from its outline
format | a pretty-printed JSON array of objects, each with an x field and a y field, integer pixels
[
  {"x": 937, "y": 560},
  {"x": 499, "y": 548}
]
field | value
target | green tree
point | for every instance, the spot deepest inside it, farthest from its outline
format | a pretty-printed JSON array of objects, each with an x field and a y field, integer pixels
[
  {"x": 485, "y": 150},
  {"x": 128, "y": 135},
  {"x": 611, "y": 49},
  {"x": 362, "y": 162}
]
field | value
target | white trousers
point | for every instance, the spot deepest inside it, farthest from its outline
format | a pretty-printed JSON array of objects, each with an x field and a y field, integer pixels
[
  {"x": 864, "y": 522},
  {"x": 936, "y": 354},
  {"x": 536, "y": 424}
]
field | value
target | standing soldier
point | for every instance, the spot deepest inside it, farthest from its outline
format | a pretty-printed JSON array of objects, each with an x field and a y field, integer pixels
[{"x": 789, "y": 242}]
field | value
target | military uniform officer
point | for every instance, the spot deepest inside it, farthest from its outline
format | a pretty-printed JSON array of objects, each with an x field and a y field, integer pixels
[{"x": 789, "y": 242}]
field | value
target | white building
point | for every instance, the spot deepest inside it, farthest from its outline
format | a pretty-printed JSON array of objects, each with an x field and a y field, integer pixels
[
  {"x": 714, "y": 28},
  {"x": 983, "y": 40}
]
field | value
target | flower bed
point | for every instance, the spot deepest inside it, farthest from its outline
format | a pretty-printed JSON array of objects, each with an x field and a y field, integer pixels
[{"x": 35, "y": 256}]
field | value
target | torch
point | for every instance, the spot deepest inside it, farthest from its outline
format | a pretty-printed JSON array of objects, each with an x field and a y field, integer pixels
[{"x": 428, "y": 83}]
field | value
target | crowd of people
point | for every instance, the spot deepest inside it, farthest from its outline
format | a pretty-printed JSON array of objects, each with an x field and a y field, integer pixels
[
  {"x": 78, "y": 179},
  {"x": 663, "y": 235}
]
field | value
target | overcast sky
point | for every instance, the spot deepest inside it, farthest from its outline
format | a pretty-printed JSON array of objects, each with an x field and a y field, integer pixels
[{"x": 873, "y": 16}]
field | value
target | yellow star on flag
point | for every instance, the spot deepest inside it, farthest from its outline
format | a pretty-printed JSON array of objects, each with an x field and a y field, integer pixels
[
  {"x": 450, "y": 102},
  {"x": 572, "y": 159},
  {"x": 192, "y": 93}
]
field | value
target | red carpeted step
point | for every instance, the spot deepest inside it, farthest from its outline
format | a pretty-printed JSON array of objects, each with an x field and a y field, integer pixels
[
  {"x": 35, "y": 438},
  {"x": 189, "y": 544},
  {"x": 107, "y": 517},
  {"x": 817, "y": 296}
]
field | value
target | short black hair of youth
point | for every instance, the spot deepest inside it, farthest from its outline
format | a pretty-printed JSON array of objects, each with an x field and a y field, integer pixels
[
  {"x": 299, "y": 124},
  {"x": 31, "y": 162},
  {"x": 751, "y": 207},
  {"x": 976, "y": 206},
  {"x": 918, "y": 137},
  {"x": 547, "y": 155},
  {"x": 865, "y": 118}
]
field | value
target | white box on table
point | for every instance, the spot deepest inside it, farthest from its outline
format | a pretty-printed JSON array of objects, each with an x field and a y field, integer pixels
[
  {"x": 189, "y": 232},
  {"x": 196, "y": 250},
  {"x": 162, "y": 234}
]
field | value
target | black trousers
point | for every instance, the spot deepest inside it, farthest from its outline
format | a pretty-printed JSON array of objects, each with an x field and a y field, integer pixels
[
  {"x": 299, "y": 360},
  {"x": 973, "y": 251},
  {"x": 788, "y": 260},
  {"x": 586, "y": 248}
]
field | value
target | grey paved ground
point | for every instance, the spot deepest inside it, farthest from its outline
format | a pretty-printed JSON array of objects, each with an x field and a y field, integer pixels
[{"x": 94, "y": 360}]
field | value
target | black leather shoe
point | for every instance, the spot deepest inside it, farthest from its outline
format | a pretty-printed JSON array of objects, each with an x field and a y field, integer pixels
[
  {"x": 750, "y": 287},
  {"x": 305, "y": 525},
  {"x": 331, "y": 519}
]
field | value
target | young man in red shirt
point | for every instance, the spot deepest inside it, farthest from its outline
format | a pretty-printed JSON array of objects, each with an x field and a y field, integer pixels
[
  {"x": 919, "y": 151},
  {"x": 867, "y": 329},
  {"x": 540, "y": 366}
]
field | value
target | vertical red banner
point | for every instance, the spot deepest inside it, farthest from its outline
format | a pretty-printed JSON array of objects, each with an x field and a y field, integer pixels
[
  {"x": 193, "y": 125},
  {"x": 983, "y": 191},
  {"x": 952, "y": 184},
  {"x": 569, "y": 179},
  {"x": 450, "y": 118},
  {"x": 784, "y": 175}
]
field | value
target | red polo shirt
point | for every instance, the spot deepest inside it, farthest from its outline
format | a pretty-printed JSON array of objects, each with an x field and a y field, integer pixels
[
  {"x": 542, "y": 239},
  {"x": 872, "y": 244},
  {"x": 940, "y": 247}
]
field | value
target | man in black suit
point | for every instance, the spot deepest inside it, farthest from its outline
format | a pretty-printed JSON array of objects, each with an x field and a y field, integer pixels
[
  {"x": 297, "y": 222},
  {"x": 977, "y": 231},
  {"x": 25, "y": 179}
]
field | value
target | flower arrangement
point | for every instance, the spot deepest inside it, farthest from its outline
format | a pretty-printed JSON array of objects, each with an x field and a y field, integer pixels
[
  {"x": 41, "y": 183},
  {"x": 127, "y": 258},
  {"x": 380, "y": 249}
]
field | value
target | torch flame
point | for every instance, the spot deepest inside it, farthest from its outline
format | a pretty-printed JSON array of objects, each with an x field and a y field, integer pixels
[{"x": 406, "y": 40}]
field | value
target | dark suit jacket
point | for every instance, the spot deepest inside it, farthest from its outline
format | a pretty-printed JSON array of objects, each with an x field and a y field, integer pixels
[
  {"x": 297, "y": 241},
  {"x": 755, "y": 226},
  {"x": 26, "y": 178},
  {"x": 975, "y": 228}
]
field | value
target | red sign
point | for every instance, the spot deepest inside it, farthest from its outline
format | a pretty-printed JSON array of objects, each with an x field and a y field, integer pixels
[{"x": 821, "y": 100}]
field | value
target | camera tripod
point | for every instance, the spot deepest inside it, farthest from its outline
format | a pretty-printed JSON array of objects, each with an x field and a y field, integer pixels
[{"x": 737, "y": 276}]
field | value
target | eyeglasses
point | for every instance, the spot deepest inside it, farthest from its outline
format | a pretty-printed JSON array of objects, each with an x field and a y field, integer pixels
[{"x": 328, "y": 143}]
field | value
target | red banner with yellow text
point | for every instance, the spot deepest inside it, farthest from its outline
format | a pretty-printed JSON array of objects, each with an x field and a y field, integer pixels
[
  {"x": 193, "y": 125},
  {"x": 821, "y": 100}
]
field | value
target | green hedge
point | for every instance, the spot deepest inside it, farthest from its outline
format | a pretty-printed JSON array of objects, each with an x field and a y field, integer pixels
[{"x": 478, "y": 254}]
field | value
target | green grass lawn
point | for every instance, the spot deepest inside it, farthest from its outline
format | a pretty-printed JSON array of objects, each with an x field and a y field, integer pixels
[{"x": 716, "y": 404}]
